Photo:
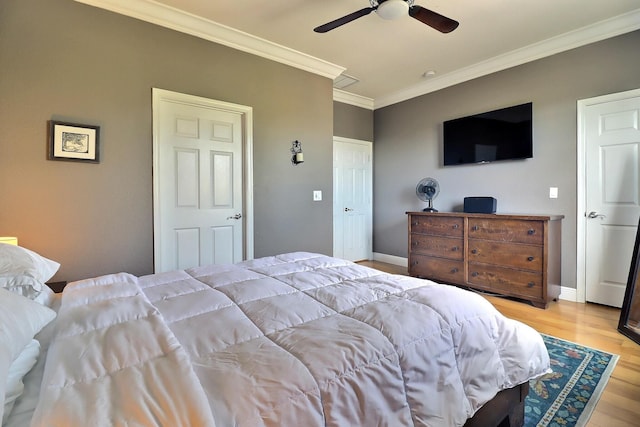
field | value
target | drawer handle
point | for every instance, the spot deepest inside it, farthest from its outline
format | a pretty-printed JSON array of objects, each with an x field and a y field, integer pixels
[
  {"x": 415, "y": 223},
  {"x": 530, "y": 285},
  {"x": 474, "y": 274},
  {"x": 531, "y": 232},
  {"x": 455, "y": 226},
  {"x": 530, "y": 258},
  {"x": 415, "y": 262},
  {"x": 454, "y": 270},
  {"x": 415, "y": 243},
  {"x": 475, "y": 228},
  {"x": 454, "y": 249},
  {"x": 474, "y": 251}
]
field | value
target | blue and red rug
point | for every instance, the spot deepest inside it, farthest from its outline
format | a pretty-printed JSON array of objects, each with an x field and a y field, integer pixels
[{"x": 567, "y": 396}]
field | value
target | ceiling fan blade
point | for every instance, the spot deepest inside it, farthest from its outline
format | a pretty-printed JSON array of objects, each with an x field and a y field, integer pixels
[
  {"x": 344, "y": 20},
  {"x": 433, "y": 19}
]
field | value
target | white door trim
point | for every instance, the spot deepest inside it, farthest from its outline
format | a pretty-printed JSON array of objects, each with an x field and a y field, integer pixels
[
  {"x": 581, "y": 229},
  {"x": 247, "y": 130}
]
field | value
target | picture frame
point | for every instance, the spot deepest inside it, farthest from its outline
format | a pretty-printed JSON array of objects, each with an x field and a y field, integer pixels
[
  {"x": 74, "y": 142},
  {"x": 629, "y": 324}
]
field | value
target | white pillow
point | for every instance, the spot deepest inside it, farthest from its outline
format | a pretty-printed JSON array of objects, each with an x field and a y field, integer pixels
[
  {"x": 18, "y": 369},
  {"x": 45, "y": 297},
  {"x": 23, "y": 271},
  {"x": 20, "y": 320}
]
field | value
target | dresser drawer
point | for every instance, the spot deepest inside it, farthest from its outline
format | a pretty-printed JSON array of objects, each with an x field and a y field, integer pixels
[
  {"x": 439, "y": 226},
  {"x": 506, "y": 230},
  {"x": 437, "y": 246},
  {"x": 528, "y": 257},
  {"x": 506, "y": 281},
  {"x": 436, "y": 268}
]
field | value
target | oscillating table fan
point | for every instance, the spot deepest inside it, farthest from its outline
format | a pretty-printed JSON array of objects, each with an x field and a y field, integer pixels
[{"x": 427, "y": 190}]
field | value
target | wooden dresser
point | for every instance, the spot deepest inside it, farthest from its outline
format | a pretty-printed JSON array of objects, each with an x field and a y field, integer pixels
[{"x": 513, "y": 255}]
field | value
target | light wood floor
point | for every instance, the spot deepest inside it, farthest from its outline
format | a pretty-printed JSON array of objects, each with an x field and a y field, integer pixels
[{"x": 591, "y": 325}]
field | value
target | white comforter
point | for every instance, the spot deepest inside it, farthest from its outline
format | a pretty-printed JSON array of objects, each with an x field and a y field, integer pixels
[
  {"x": 114, "y": 362},
  {"x": 294, "y": 340}
]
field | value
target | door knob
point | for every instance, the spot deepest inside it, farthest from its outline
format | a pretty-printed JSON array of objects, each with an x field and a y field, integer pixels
[
  {"x": 236, "y": 216},
  {"x": 348, "y": 209},
  {"x": 593, "y": 214}
]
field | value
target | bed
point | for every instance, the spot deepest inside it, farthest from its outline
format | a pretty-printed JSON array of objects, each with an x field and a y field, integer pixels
[{"x": 297, "y": 339}]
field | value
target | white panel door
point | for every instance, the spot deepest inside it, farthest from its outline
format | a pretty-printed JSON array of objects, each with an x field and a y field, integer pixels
[
  {"x": 199, "y": 178},
  {"x": 352, "y": 199},
  {"x": 612, "y": 142}
]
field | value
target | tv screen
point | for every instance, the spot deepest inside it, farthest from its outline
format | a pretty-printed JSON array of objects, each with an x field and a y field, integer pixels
[{"x": 504, "y": 134}]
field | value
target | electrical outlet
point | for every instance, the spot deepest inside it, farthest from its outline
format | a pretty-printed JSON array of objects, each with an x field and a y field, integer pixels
[
  {"x": 317, "y": 195},
  {"x": 553, "y": 192}
]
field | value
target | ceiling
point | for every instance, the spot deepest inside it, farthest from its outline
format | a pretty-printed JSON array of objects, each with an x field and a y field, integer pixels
[{"x": 390, "y": 58}]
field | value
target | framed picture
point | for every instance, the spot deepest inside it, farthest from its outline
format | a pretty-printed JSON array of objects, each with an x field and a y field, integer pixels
[{"x": 74, "y": 142}]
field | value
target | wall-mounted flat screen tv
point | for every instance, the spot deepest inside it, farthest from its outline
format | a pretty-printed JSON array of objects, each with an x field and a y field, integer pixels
[{"x": 504, "y": 134}]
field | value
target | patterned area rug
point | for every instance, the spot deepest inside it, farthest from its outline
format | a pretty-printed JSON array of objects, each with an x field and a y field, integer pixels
[{"x": 567, "y": 396}]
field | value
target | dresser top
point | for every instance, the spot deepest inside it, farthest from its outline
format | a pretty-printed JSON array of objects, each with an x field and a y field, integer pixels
[{"x": 530, "y": 217}]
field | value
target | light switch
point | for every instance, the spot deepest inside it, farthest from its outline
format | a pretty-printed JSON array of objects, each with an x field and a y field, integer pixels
[
  {"x": 317, "y": 195},
  {"x": 553, "y": 192}
]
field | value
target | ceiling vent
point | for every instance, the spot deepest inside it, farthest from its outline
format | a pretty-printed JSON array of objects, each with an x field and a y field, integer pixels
[{"x": 343, "y": 81}]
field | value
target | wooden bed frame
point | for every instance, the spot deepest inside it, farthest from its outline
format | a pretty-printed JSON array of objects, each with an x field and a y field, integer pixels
[{"x": 506, "y": 409}]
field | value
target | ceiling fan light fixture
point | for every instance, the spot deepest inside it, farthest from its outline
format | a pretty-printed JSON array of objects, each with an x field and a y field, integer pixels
[{"x": 392, "y": 9}]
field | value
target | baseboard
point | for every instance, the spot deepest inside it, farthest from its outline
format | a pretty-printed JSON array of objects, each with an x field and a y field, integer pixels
[
  {"x": 391, "y": 259},
  {"x": 567, "y": 294}
]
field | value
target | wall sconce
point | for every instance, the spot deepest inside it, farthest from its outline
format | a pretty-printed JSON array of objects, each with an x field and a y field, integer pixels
[
  {"x": 296, "y": 153},
  {"x": 9, "y": 240}
]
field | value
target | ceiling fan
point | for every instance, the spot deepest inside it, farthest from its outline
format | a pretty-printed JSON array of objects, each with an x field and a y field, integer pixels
[{"x": 392, "y": 9}]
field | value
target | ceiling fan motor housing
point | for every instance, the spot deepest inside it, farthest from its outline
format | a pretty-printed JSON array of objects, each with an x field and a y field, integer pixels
[{"x": 392, "y": 9}]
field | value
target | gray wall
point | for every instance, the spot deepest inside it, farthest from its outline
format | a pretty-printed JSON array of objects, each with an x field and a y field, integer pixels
[
  {"x": 63, "y": 60},
  {"x": 408, "y": 143},
  {"x": 352, "y": 122}
]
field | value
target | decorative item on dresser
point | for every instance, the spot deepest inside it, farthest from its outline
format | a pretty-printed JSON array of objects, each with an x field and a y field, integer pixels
[
  {"x": 512, "y": 255},
  {"x": 427, "y": 190}
]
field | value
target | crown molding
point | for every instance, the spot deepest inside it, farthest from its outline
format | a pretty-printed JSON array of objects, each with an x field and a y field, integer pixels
[
  {"x": 602, "y": 30},
  {"x": 352, "y": 99},
  {"x": 175, "y": 19}
]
